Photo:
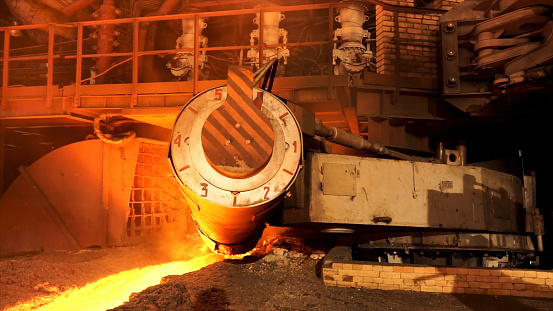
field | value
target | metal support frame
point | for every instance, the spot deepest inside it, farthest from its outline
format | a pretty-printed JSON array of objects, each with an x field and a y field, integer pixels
[
  {"x": 79, "y": 67},
  {"x": 5, "y": 69},
  {"x": 135, "y": 55},
  {"x": 50, "y": 75}
]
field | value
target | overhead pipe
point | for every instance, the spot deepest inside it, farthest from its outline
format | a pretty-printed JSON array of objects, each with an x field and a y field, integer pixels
[
  {"x": 114, "y": 139},
  {"x": 31, "y": 12},
  {"x": 145, "y": 31},
  {"x": 56, "y": 5},
  {"x": 77, "y": 7}
]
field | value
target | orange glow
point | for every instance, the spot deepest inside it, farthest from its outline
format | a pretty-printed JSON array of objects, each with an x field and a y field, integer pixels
[{"x": 114, "y": 290}]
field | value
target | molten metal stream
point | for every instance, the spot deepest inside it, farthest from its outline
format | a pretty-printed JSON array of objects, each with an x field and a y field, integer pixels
[{"x": 114, "y": 290}]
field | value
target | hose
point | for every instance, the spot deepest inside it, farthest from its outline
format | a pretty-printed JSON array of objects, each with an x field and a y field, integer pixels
[
  {"x": 354, "y": 141},
  {"x": 115, "y": 139}
]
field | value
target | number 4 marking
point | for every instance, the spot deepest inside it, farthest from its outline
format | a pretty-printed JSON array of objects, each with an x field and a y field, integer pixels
[{"x": 177, "y": 140}]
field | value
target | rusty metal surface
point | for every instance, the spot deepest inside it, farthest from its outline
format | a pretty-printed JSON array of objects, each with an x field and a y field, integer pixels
[
  {"x": 70, "y": 179},
  {"x": 118, "y": 173},
  {"x": 74, "y": 197}
]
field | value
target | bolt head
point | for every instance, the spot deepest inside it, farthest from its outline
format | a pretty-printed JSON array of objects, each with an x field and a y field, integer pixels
[
  {"x": 449, "y": 27},
  {"x": 451, "y": 82}
]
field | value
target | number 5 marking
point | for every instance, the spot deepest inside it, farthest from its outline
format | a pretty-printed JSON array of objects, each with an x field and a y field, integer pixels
[{"x": 218, "y": 94}]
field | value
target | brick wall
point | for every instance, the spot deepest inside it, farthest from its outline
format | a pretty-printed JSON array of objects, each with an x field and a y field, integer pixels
[
  {"x": 483, "y": 281},
  {"x": 416, "y": 58}
]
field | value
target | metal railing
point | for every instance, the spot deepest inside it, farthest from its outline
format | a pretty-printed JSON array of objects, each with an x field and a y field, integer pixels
[{"x": 136, "y": 53}]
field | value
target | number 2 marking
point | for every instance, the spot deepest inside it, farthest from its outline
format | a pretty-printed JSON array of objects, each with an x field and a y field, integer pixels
[{"x": 267, "y": 189}]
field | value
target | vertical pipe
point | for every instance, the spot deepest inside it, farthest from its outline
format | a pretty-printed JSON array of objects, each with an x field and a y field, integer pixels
[
  {"x": 105, "y": 36},
  {"x": 50, "y": 74},
  {"x": 196, "y": 53},
  {"x": 396, "y": 68},
  {"x": 79, "y": 67},
  {"x": 135, "y": 62},
  {"x": 260, "y": 37},
  {"x": 3, "y": 132},
  {"x": 6, "y": 63},
  {"x": 331, "y": 45}
]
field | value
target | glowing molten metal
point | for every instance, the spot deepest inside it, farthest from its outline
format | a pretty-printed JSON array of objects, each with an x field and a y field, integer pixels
[{"x": 114, "y": 290}]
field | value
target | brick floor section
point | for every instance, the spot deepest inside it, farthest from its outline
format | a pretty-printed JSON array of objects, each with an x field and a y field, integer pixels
[{"x": 340, "y": 270}]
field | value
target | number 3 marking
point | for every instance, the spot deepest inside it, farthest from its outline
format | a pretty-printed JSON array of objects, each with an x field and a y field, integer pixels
[{"x": 204, "y": 189}]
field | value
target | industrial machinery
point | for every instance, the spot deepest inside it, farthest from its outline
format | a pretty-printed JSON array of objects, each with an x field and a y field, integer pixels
[
  {"x": 233, "y": 183},
  {"x": 411, "y": 131}
]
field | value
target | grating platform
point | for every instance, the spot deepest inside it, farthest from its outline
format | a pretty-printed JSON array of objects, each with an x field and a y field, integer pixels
[{"x": 155, "y": 198}]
